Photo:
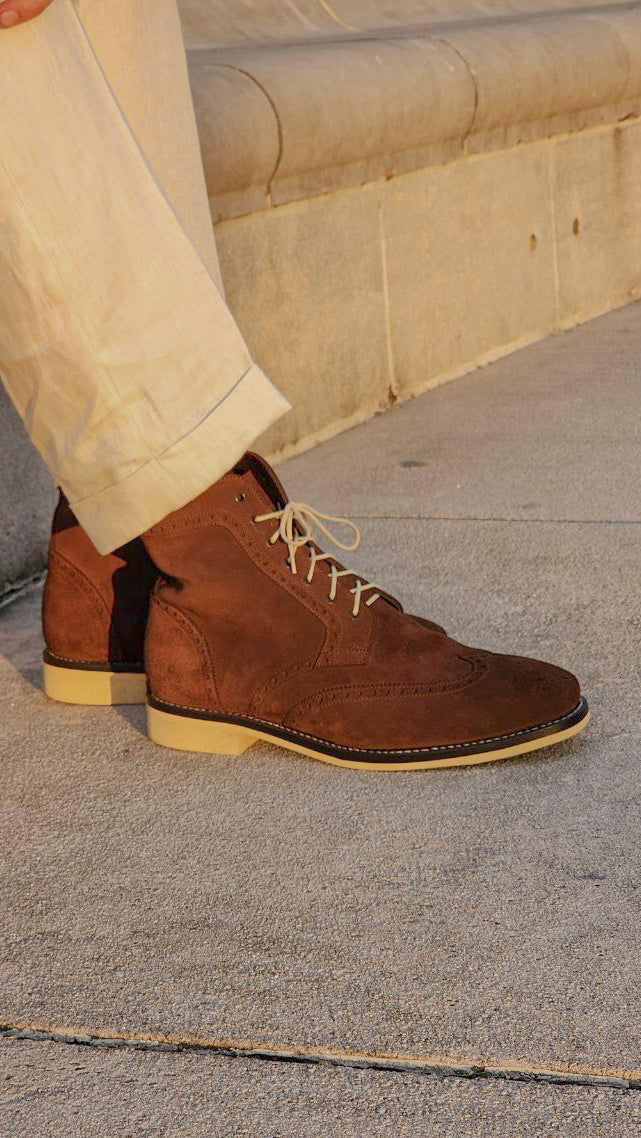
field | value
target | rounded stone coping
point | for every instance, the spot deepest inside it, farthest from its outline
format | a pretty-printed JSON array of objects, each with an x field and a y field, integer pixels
[{"x": 284, "y": 121}]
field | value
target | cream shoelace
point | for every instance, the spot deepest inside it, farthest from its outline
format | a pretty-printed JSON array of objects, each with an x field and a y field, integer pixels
[{"x": 296, "y": 524}]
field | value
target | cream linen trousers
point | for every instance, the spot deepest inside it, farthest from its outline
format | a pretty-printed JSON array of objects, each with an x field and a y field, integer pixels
[{"x": 116, "y": 345}]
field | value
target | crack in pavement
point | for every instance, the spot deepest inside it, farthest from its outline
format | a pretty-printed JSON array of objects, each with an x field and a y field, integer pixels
[
  {"x": 15, "y": 590},
  {"x": 417, "y": 1064}
]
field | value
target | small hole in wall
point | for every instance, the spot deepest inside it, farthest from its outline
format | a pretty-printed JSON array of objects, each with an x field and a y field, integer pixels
[
  {"x": 575, "y": 226},
  {"x": 533, "y": 242}
]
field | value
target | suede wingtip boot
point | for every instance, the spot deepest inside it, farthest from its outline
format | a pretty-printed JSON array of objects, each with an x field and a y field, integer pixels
[
  {"x": 255, "y": 633},
  {"x": 94, "y": 612}
]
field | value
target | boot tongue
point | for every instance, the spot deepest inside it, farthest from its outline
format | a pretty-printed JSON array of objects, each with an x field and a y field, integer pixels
[
  {"x": 256, "y": 467},
  {"x": 253, "y": 464}
]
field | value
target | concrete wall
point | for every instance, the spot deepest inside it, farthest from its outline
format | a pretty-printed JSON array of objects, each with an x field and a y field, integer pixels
[
  {"x": 401, "y": 192},
  {"x": 362, "y": 296}
]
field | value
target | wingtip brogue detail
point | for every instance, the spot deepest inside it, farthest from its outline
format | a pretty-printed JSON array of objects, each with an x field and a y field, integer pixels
[{"x": 279, "y": 641}]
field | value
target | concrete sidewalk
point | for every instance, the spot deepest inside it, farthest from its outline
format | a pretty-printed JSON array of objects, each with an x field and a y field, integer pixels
[{"x": 486, "y": 919}]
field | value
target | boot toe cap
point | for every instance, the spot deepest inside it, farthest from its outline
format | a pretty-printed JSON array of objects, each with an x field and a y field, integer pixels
[
  {"x": 503, "y": 700},
  {"x": 525, "y": 693}
]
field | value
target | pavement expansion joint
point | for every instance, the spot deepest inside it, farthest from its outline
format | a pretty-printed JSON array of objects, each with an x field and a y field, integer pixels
[
  {"x": 418, "y": 1064},
  {"x": 498, "y": 519}
]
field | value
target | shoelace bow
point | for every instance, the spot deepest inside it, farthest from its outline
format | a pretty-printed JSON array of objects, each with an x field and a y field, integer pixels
[{"x": 296, "y": 522}]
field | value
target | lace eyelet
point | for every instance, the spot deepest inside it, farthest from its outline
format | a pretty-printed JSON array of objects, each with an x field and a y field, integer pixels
[{"x": 241, "y": 497}]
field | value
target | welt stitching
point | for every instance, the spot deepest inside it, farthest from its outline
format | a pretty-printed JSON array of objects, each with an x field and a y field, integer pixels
[
  {"x": 75, "y": 660},
  {"x": 373, "y": 750}
]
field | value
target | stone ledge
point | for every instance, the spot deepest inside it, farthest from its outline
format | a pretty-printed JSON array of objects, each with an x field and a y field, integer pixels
[{"x": 281, "y": 122}]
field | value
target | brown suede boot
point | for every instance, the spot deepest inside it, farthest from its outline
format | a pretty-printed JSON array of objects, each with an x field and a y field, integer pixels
[
  {"x": 256, "y": 634},
  {"x": 94, "y": 612}
]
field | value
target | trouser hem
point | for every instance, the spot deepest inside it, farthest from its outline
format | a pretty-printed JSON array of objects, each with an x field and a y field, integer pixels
[{"x": 124, "y": 510}]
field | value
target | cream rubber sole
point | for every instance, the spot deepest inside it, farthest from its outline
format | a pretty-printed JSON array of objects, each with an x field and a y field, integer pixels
[
  {"x": 94, "y": 688},
  {"x": 182, "y": 733}
]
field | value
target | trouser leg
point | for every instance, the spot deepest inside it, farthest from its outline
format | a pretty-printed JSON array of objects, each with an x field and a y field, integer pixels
[
  {"x": 139, "y": 46},
  {"x": 116, "y": 346}
]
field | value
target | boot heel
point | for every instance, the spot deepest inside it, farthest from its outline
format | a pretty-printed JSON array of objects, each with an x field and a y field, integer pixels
[
  {"x": 93, "y": 688},
  {"x": 181, "y": 733}
]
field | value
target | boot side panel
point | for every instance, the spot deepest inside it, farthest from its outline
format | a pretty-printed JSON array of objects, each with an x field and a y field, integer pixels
[
  {"x": 177, "y": 660},
  {"x": 95, "y": 607},
  {"x": 76, "y": 619}
]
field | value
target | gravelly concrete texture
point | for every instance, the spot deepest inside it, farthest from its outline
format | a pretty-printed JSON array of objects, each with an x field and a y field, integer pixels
[
  {"x": 51, "y": 1089},
  {"x": 489, "y": 914}
]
